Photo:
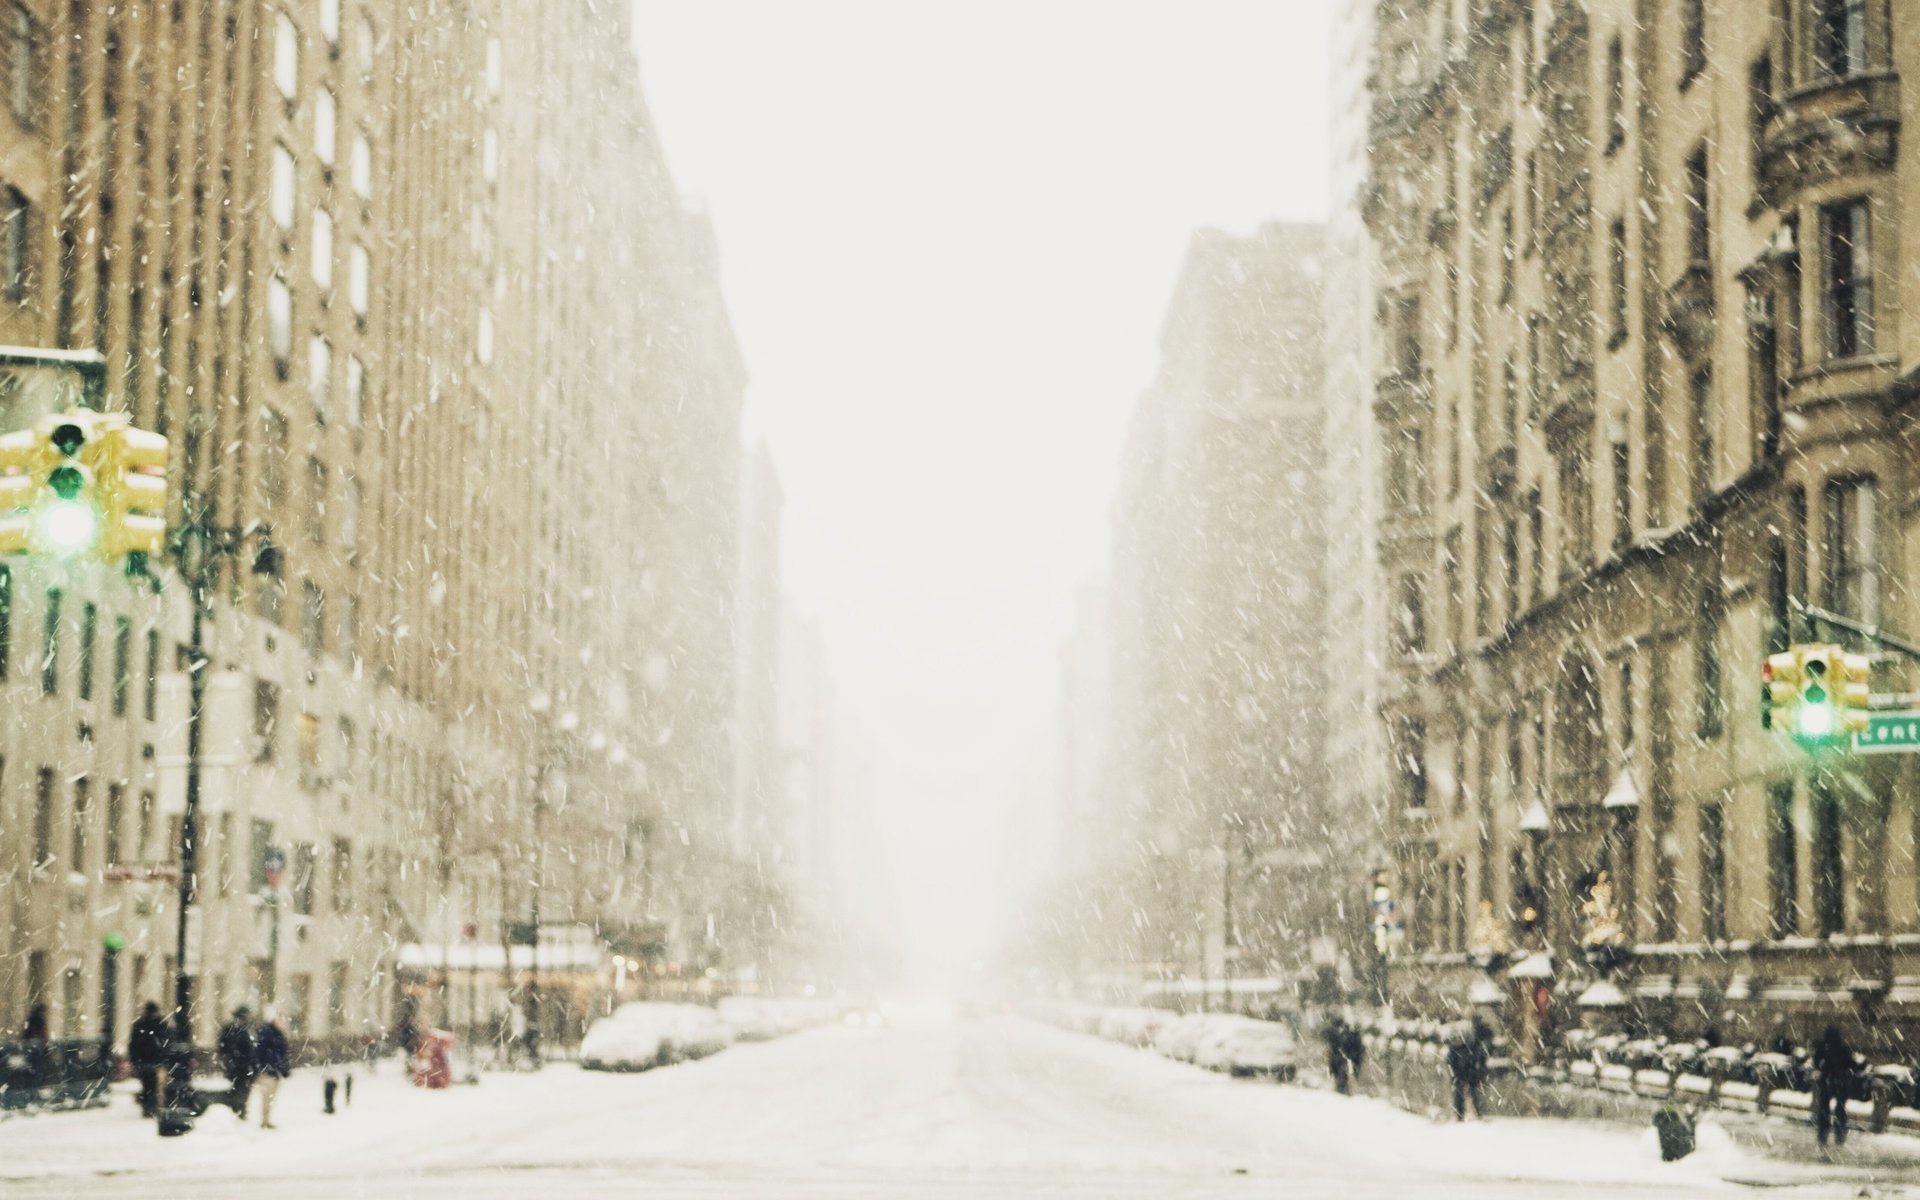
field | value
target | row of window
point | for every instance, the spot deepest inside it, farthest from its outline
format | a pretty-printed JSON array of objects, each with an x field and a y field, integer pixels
[
  {"x": 120, "y": 651},
  {"x": 129, "y": 836}
]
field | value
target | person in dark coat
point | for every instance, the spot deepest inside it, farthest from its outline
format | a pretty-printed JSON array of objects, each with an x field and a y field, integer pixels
[
  {"x": 235, "y": 1048},
  {"x": 1353, "y": 1048},
  {"x": 1338, "y": 1064},
  {"x": 147, "y": 1053},
  {"x": 1467, "y": 1061},
  {"x": 1833, "y": 1076},
  {"x": 273, "y": 1060},
  {"x": 36, "y": 1027}
]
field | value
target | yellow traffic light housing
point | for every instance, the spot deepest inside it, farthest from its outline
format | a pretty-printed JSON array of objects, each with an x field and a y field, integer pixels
[
  {"x": 1854, "y": 688},
  {"x": 1816, "y": 717},
  {"x": 1779, "y": 690},
  {"x": 66, "y": 515},
  {"x": 19, "y": 457},
  {"x": 131, "y": 467}
]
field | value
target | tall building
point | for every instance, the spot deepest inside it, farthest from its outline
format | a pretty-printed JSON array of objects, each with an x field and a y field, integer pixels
[
  {"x": 1644, "y": 392},
  {"x": 1087, "y": 813},
  {"x": 426, "y": 318},
  {"x": 1220, "y": 623},
  {"x": 758, "y": 639}
]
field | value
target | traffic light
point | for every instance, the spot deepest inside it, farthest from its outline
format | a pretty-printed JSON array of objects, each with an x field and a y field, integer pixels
[
  {"x": 19, "y": 456},
  {"x": 131, "y": 468},
  {"x": 1853, "y": 685},
  {"x": 83, "y": 485},
  {"x": 67, "y": 514},
  {"x": 1779, "y": 690},
  {"x": 1816, "y": 717}
]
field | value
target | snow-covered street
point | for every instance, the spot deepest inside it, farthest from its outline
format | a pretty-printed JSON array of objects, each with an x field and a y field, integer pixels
[{"x": 929, "y": 1108}]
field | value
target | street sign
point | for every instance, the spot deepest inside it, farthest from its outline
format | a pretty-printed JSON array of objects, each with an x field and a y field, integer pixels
[{"x": 1889, "y": 733}]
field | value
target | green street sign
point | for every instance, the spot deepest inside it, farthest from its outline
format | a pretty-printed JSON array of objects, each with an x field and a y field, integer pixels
[{"x": 1889, "y": 733}]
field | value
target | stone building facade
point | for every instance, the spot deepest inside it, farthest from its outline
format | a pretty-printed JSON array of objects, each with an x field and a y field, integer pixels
[
  {"x": 1219, "y": 622},
  {"x": 1645, "y": 390},
  {"x": 412, "y": 294}
]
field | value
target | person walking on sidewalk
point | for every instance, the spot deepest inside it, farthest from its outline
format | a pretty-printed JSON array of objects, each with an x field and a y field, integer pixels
[
  {"x": 1467, "y": 1061},
  {"x": 147, "y": 1053},
  {"x": 1833, "y": 1068},
  {"x": 273, "y": 1060},
  {"x": 235, "y": 1048},
  {"x": 1339, "y": 1066}
]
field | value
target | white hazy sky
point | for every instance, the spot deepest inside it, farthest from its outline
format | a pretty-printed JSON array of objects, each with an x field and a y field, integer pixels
[{"x": 948, "y": 233}]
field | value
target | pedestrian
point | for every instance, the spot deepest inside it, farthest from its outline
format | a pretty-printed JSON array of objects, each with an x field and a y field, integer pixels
[
  {"x": 1353, "y": 1047},
  {"x": 1335, "y": 1033},
  {"x": 235, "y": 1048},
  {"x": 406, "y": 1032},
  {"x": 36, "y": 1027},
  {"x": 1467, "y": 1062},
  {"x": 273, "y": 1062},
  {"x": 147, "y": 1053},
  {"x": 1833, "y": 1076}
]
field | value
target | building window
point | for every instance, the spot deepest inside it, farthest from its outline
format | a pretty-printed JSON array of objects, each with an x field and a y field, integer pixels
[
  {"x": 19, "y": 248},
  {"x": 280, "y": 322},
  {"x": 366, "y": 43},
  {"x": 1616, "y": 94},
  {"x": 282, "y": 187},
  {"x": 489, "y": 155},
  {"x": 1840, "y": 37},
  {"x": 350, "y": 628},
  {"x": 266, "y": 717},
  {"x": 1536, "y": 547},
  {"x": 273, "y": 460},
  {"x": 1699, "y": 218},
  {"x": 483, "y": 339},
  {"x": 286, "y": 57},
  {"x": 1712, "y": 700},
  {"x": 1853, "y": 560},
  {"x": 1506, "y": 257},
  {"x": 112, "y": 843},
  {"x": 358, "y": 272},
  {"x": 495, "y": 72},
  {"x": 1411, "y": 635},
  {"x": 1410, "y": 752},
  {"x": 1763, "y": 375},
  {"x": 1703, "y": 449},
  {"x": 341, "y": 890},
  {"x": 1617, "y": 282},
  {"x": 150, "y": 698},
  {"x": 1829, "y": 864},
  {"x": 1782, "y": 861},
  {"x": 23, "y": 66},
  {"x": 319, "y": 376},
  {"x": 304, "y": 859},
  {"x": 356, "y": 390},
  {"x": 1407, "y": 336},
  {"x": 324, "y": 130},
  {"x": 122, "y": 653},
  {"x": 307, "y": 740},
  {"x": 360, "y": 166},
  {"x": 50, "y": 646},
  {"x": 350, "y": 515},
  {"x": 313, "y": 617},
  {"x": 79, "y": 820},
  {"x": 330, "y": 20},
  {"x": 1622, "y": 494},
  {"x": 1713, "y": 873},
  {"x": 1693, "y": 39},
  {"x": 1576, "y": 512},
  {"x": 1759, "y": 105},
  {"x": 1849, "y": 279},
  {"x": 316, "y": 502},
  {"x": 43, "y": 818},
  {"x": 89, "y": 635},
  {"x": 323, "y": 249}
]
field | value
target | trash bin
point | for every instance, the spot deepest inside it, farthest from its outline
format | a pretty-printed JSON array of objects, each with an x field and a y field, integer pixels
[{"x": 1674, "y": 1125}]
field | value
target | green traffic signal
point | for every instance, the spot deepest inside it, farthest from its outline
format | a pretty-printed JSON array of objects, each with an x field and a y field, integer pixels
[{"x": 66, "y": 527}]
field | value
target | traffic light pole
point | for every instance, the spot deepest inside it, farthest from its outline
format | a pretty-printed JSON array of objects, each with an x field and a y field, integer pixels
[{"x": 1872, "y": 633}]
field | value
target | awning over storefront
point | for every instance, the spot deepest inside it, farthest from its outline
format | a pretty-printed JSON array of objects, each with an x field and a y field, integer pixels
[
  {"x": 1538, "y": 965},
  {"x": 1623, "y": 793}
]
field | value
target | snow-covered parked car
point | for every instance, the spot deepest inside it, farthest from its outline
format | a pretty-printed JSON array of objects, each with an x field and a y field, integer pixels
[
  {"x": 685, "y": 1030},
  {"x": 1260, "y": 1048},
  {"x": 1179, "y": 1038},
  {"x": 615, "y": 1045}
]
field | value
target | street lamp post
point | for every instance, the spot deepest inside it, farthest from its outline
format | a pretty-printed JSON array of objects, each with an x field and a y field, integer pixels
[{"x": 200, "y": 542}]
